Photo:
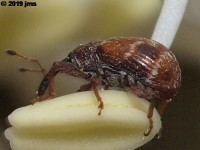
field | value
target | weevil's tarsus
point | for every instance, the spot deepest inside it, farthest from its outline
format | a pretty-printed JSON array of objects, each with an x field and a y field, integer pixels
[{"x": 95, "y": 83}]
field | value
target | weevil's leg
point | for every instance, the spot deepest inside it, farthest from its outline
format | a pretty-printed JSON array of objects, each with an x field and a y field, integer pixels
[
  {"x": 95, "y": 83},
  {"x": 161, "y": 107},
  {"x": 85, "y": 87},
  {"x": 150, "y": 115},
  {"x": 14, "y": 53}
]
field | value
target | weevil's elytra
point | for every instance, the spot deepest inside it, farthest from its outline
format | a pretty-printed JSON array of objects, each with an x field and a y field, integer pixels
[
  {"x": 148, "y": 51},
  {"x": 149, "y": 64},
  {"x": 141, "y": 66}
]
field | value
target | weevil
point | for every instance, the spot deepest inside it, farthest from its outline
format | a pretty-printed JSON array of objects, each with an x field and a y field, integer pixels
[{"x": 141, "y": 66}]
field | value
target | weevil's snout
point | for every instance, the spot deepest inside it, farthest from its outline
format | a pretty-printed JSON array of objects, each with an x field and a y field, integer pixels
[{"x": 43, "y": 86}]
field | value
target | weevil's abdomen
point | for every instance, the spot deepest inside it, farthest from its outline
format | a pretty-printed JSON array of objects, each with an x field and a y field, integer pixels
[{"x": 152, "y": 67}]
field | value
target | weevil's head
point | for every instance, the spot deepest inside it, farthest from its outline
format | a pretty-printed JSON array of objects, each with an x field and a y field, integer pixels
[{"x": 83, "y": 57}]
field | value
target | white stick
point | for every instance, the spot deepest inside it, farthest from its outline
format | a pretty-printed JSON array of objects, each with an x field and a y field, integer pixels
[{"x": 168, "y": 21}]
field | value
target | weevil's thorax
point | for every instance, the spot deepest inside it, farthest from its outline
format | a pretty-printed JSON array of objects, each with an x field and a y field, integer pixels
[
  {"x": 83, "y": 57},
  {"x": 109, "y": 74}
]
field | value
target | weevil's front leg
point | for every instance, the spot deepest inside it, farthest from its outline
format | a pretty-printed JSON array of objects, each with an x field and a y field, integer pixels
[
  {"x": 95, "y": 83},
  {"x": 150, "y": 115}
]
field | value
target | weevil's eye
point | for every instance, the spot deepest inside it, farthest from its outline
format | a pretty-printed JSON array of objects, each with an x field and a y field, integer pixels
[{"x": 68, "y": 59}]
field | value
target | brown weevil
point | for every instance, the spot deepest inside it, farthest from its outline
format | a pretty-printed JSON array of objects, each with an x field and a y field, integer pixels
[{"x": 141, "y": 66}]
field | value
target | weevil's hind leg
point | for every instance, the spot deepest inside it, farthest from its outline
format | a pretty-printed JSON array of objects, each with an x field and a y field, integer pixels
[
  {"x": 85, "y": 87},
  {"x": 150, "y": 115},
  {"x": 161, "y": 107},
  {"x": 95, "y": 83}
]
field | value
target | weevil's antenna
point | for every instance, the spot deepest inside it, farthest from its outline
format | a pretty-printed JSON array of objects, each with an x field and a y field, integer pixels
[{"x": 22, "y": 69}]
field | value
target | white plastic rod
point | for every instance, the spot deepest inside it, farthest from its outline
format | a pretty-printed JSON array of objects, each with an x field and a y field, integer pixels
[{"x": 168, "y": 21}]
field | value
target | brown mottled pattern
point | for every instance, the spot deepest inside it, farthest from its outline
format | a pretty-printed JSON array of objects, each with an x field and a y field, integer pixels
[
  {"x": 147, "y": 61},
  {"x": 83, "y": 55}
]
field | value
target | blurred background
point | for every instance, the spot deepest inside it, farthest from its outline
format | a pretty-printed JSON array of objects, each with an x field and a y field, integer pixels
[{"x": 50, "y": 30}]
